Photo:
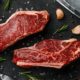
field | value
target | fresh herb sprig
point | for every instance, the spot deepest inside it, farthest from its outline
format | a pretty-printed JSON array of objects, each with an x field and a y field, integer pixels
[
  {"x": 6, "y": 4},
  {"x": 29, "y": 75},
  {"x": 63, "y": 28},
  {"x": 2, "y": 59}
]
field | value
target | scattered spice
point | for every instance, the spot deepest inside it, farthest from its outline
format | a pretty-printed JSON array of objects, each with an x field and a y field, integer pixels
[
  {"x": 59, "y": 14},
  {"x": 63, "y": 28},
  {"x": 76, "y": 30}
]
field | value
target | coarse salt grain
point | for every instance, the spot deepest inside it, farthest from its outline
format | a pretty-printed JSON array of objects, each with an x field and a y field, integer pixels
[
  {"x": 25, "y": 3},
  {"x": 27, "y": 9},
  {"x": 20, "y": 9},
  {"x": 70, "y": 75},
  {"x": 0, "y": 19},
  {"x": 1, "y": 67},
  {"x": 14, "y": 76},
  {"x": 28, "y": 2},
  {"x": 12, "y": 8},
  {"x": 47, "y": 5},
  {"x": 10, "y": 11},
  {"x": 13, "y": 69},
  {"x": 42, "y": 73},
  {"x": 32, "y": 8}
]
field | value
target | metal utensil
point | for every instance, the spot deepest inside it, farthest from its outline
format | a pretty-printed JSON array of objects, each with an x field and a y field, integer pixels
[
  {"x": 5, "y": 77},
  {"x": 72, "y": 5}
]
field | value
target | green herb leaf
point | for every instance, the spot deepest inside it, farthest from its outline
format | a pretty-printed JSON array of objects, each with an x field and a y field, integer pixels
[
  {"x": 6, "y": 4},
  {"x": 32, "y": 77},
  {"x": 28, "y": 75},
  {"x": 2, "y": 59},
  {"x": 63, "y": 28}
]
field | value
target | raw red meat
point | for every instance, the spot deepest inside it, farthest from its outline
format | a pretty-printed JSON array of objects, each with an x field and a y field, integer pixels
[
  {"x": 21, "y": 24},
  {"x": 48, "y": 53}
]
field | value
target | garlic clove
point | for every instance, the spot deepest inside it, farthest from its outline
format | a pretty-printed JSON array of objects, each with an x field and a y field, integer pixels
[
  {"x": 59, "y": 14},
  {"x": 76, "y": 30}
]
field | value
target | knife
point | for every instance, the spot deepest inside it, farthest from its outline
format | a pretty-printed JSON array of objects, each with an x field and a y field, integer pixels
[{"x": 71, "y": 5}]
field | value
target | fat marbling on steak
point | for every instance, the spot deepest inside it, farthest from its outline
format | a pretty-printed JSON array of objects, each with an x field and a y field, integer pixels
[
  {"x": 20, "y": 25},
  {"x": 48, "y": 53}
]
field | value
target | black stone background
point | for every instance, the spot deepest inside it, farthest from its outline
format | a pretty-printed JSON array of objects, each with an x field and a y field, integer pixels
[{"x": 70, "y": 72}]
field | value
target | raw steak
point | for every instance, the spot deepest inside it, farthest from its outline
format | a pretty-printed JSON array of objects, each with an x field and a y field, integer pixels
[
  {"x": 48, "y": 53},
  {"x": 20, "y": 25}
]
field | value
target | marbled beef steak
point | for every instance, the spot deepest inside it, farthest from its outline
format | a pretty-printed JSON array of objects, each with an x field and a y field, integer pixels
[
  {"x": 20, "y": 25},
  {"x": 48, "y": 53}
]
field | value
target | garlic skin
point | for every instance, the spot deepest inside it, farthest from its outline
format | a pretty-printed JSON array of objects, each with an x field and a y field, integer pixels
[
  {"x": 76, "y": 30},
  {"x": 59, "y": 14}
]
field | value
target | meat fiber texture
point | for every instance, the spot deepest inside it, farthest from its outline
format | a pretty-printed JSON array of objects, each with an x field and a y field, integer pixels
[
  {"x": 20, "y": 25},
  {"x": 48, "y": 53}
]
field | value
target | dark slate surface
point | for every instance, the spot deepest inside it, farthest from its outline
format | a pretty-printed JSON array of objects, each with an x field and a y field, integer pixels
[{"x": 70, "y": 72}]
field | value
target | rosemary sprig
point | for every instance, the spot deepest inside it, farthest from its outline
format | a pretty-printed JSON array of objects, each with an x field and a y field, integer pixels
[
  {"x": 63, "y": 28},
  {"x": 2, "y": 59},
  {"x": 32, "y": 77},
  {"x": 6, "y": 4},
  {"x": 29, "y": 75}
]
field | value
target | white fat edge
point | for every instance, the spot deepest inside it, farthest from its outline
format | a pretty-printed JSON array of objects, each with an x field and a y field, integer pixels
[
  {"x": 23, "y": 12},
  {"x": 33, "y": 48},
  {"x": 77, "y": 51},
  {"x": 70, "y": 40},
  {"x": 53, "y": 65}
]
